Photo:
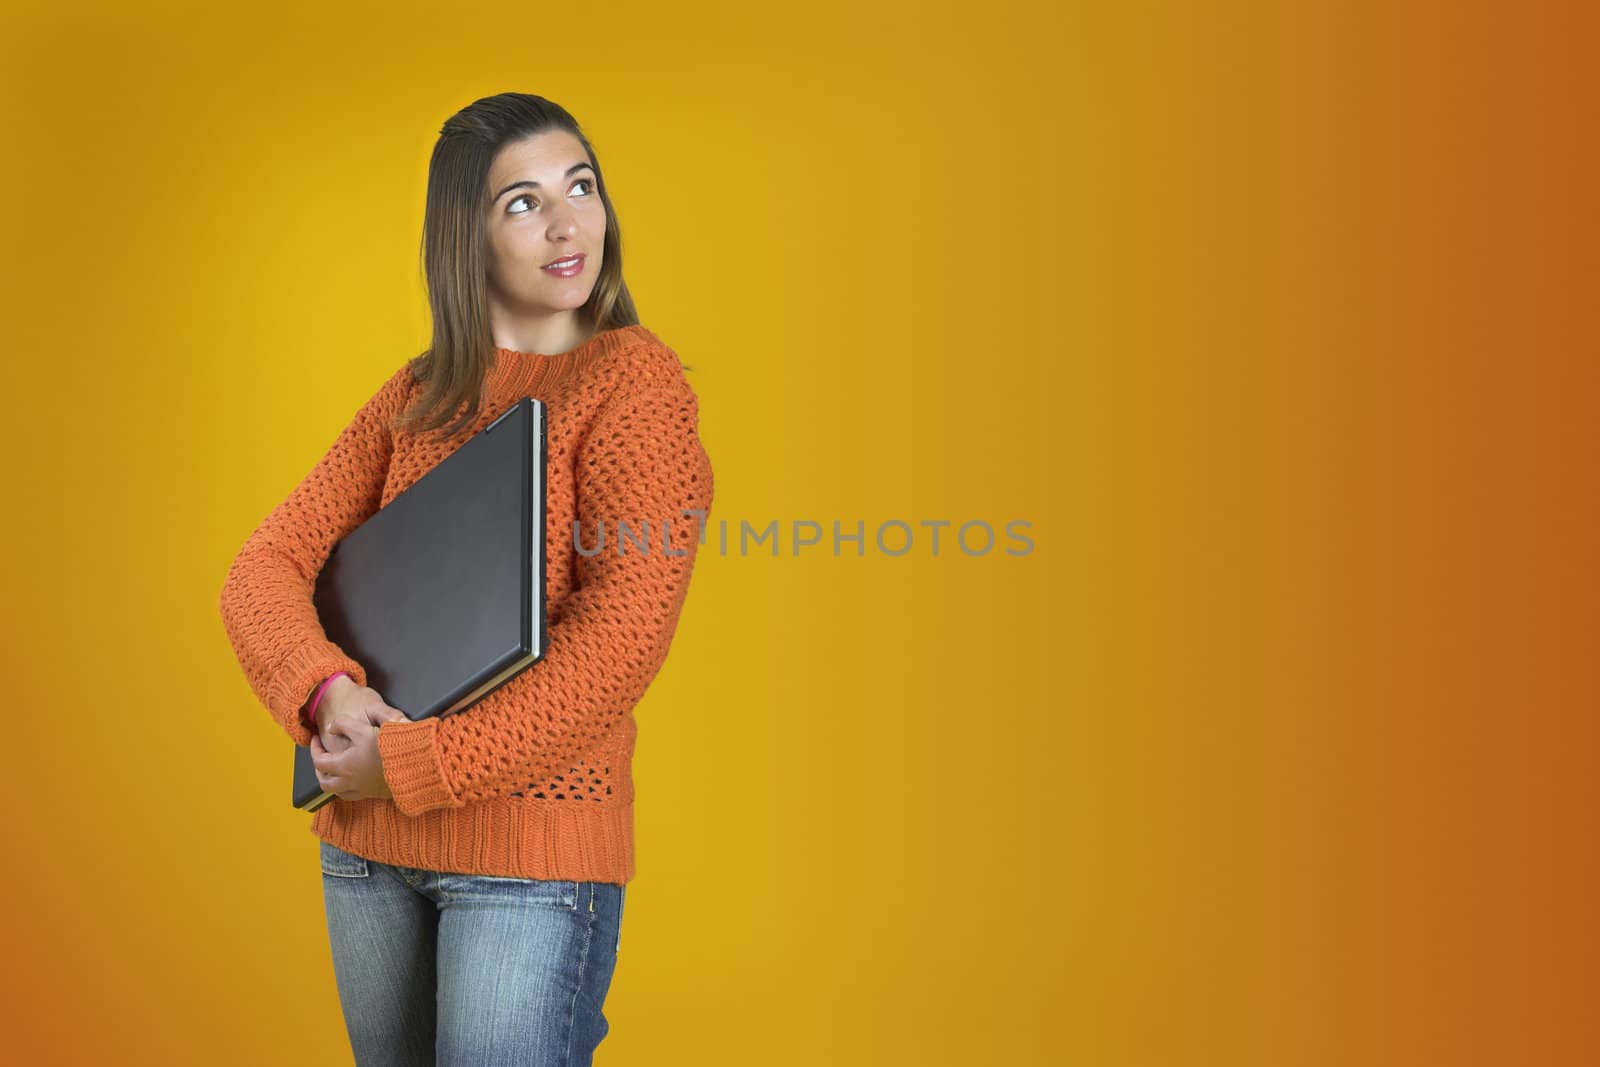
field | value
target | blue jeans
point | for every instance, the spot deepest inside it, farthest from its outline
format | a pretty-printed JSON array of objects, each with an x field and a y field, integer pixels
[{"x": 468, "y": 970}]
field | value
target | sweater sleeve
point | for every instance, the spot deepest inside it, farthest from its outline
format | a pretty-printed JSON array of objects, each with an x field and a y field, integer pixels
[
  {"x": 641, "y": 464},
  {"x": 266, "y": 603}
]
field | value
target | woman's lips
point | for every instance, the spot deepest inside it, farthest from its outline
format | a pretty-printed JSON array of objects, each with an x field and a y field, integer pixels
[{"x": 570, "y": 267}]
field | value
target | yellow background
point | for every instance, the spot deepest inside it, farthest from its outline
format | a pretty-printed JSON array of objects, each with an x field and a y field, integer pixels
[{"x": 1276, "y": 749}]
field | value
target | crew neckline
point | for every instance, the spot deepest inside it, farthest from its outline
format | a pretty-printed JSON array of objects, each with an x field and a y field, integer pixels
[
  {"x": 603, "y": 339},
  {"x": 529, "y": 370}
]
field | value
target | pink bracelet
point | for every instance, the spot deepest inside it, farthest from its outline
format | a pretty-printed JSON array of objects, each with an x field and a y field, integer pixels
[{"x": 311, "y": 711}]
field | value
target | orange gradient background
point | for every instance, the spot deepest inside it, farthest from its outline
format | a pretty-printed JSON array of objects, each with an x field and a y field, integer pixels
[{"x": 1268, "y": 320}]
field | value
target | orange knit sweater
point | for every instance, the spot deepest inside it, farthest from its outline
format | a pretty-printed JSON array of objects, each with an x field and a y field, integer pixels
[{"x": 534, "y": 780}]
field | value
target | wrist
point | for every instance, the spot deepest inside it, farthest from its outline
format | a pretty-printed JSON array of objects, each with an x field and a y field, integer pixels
[{"x": 320, "y": 695}]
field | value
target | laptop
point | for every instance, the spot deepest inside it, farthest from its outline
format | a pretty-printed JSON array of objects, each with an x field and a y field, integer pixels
[{"x": 440, "y": 595}]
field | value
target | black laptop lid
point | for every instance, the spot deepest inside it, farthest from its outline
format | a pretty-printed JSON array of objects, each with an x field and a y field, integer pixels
[{"x": 440, "y": 595}]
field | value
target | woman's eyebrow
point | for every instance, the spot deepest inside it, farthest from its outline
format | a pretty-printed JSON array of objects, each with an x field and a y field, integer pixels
[{"x": 525, "y": 184}]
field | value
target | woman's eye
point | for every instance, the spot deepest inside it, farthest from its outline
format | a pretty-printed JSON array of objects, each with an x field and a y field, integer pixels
[{"x": 588, "y": 190}]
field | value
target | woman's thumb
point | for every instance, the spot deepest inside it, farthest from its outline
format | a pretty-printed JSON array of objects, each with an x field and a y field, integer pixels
[{"x": 384, "y": 713}]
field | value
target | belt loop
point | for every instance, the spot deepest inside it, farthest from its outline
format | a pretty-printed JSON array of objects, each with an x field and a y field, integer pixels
[{"x": 591, "y": 898}]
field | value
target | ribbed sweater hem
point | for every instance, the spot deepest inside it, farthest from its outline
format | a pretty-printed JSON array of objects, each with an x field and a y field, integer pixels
[{"x": 576, "y": 841}]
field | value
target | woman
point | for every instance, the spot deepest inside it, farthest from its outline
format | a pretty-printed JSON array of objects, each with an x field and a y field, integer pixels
[{"x": 474, "y": 866}]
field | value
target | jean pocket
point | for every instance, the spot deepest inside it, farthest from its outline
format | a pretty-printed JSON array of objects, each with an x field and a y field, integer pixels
[
  {"x": 341, "y": 864},
  {"x": 494, "y": 888}
]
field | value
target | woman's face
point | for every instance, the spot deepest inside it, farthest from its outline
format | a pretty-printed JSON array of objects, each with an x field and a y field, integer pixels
[{"x": 545, "y": 209}]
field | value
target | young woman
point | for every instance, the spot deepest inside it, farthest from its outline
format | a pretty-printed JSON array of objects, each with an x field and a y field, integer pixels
[{"x": 474, "y": 866}]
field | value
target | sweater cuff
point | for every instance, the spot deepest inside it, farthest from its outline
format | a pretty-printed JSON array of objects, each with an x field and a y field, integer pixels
[
  {"x": 299, "y": 675},
  {"x": 411, "y": 766}
]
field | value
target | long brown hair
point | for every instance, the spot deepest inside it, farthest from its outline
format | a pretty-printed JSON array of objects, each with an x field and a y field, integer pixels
[{"x": 455, "y": 258}]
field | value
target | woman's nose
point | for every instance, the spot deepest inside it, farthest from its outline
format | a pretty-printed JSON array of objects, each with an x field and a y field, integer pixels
[{"x": 563, "y": 221}]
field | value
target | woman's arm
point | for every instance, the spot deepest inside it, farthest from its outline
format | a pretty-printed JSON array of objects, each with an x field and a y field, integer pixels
[
  {"x": 641, "y": 462},
  {"x": 266, "y": 601}
]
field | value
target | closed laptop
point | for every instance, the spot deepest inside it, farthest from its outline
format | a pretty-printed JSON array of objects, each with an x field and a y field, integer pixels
[{"x": 440, "y": 594}]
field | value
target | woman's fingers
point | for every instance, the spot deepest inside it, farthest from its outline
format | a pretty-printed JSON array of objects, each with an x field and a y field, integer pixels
[
  {"x": 378, "y": 714},
  {"x": 339, "y": 772},
  {"x": 319, "y": 759},
  {"x": 338, "y": 736}
]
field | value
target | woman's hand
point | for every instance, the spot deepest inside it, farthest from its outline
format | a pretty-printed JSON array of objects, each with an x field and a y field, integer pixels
[{"x": 345, "y": 747}]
